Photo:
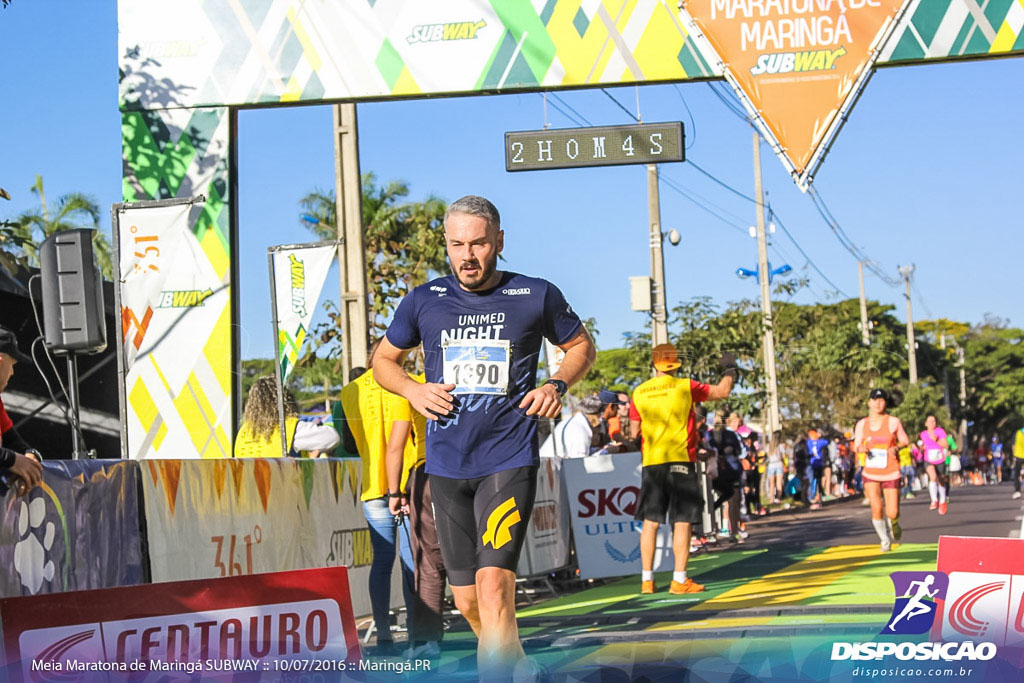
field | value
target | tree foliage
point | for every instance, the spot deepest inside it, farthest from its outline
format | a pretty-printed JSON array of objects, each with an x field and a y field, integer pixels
[
  {"x": 825, "y": 372},
  {"x": 74, "y": 210},
  {"x": 403, "y": 242}
]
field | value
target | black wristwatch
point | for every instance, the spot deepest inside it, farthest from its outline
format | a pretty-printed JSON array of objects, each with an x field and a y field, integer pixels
[
  {"x": 560, "y": 386},
  {"x": 396, "y": 495}
]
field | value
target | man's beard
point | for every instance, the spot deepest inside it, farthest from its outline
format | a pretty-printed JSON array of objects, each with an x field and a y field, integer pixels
[{"x": 486, "y": 271}]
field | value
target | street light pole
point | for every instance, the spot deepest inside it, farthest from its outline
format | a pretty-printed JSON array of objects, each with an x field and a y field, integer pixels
[
  {"x": 772, "y": 420},
  {"x": 906, "y": 271},
  {"x": 659, "y": 315}
]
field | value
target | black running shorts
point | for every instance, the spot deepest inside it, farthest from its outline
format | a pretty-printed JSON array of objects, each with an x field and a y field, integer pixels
[
  {"x": 671, "y": 489},
  {"x": 482, "y": 522}
]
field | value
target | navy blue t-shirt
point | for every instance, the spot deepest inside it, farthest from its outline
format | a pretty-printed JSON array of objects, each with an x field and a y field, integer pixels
[{"x": 484, "y": 433}]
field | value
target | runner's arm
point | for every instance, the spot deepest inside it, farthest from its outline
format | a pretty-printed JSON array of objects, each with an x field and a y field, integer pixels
[
  {"x": 901, "y": 434},
  {"x": 430, "y": 400},
  {"x": 394, "y": 458},
  {"x": 545, "y": 401}
]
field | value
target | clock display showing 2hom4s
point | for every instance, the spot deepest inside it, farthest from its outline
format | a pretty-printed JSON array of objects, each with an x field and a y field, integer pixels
[{"x": 641, "y": 143}]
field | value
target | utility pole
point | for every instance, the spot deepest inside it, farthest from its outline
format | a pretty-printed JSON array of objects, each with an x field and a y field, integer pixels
[
  {"x": 351, "y": 257},
  {"x": 865, "y": 335},
  {"x": 772, "y": 422},
  {"x": 659, "y": 315},
  {"x": 963, "y": 400},
  {"x": 906, "y": 271}
]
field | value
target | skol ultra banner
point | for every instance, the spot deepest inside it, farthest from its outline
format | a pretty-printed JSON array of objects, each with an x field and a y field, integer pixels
[
  {"x": 798, "y": 63},
  {"x": 299, "y": 274},
  {"x": 78, "y": 530},
  {"x": 603, "y": 491},
  {"x": 242, "y": 628},
  {"x": 177, "y": 391},
  {"x": 207, "y": 519}
]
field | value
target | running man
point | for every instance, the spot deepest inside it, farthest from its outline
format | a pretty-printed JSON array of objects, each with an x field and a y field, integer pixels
[
  {"x": 481, "y": 330},
  {"x": 1017, "y": 469},
  {"x": 936, "y": 450},
  {"x": 997, "y": 460},
  {"x": 879, "y": 436},
  {"x": 915, "y": 606},
  {"x": 662, "y": 411}
]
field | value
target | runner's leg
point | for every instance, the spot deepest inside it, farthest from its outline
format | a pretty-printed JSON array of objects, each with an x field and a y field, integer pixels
[{"x": 500, "y": 648}]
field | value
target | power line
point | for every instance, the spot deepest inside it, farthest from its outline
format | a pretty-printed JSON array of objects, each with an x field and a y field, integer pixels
[
  {"x": 564, "y": 113},
  {"x": 721, "y": 182},
  {"x": 570, "y": 107},
  {"x": 775, "y": 217},
  {"x": 693, "y": 121},
  {"x": 920, "y": 299},
  {"x": 671, "y": 184},
  {"x": 844, "y": 239},
  {"x": 621, "y": 106}
]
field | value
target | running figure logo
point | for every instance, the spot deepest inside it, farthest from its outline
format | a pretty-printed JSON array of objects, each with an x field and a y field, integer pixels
[{"x": 916, "y": 593}]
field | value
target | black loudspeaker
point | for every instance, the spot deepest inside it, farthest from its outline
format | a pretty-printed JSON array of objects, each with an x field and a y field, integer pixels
[{"x": 72, "y": 293}]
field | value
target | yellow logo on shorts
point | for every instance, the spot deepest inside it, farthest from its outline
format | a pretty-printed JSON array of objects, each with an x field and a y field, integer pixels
[{"x": 499, "y": 522}]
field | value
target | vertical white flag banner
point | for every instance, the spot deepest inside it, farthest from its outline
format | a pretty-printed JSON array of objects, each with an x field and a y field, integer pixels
[
  {"x": 177, "y": 402},
  {"x": 299, "y": 274}
]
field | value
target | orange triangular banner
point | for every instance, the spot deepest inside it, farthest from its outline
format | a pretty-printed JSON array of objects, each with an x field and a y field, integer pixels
[
  {"x": 261, "y": 473},
  {"x": 220, "y": 471},
  {"x": 797, "y": 62},
  {"x": 171, "y": 475},
  {"x": 237, "y": 470}
]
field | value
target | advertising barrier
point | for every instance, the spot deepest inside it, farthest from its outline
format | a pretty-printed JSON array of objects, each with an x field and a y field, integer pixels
[
  {"x": 238, "y": 517},
  {"x": 78, "y": 530},
  {"x": 984, "y": 600},
  {"x": 250, "y": 626},
  {"x": 547, "y": 538},
  {"x": 603, "y": 491}
]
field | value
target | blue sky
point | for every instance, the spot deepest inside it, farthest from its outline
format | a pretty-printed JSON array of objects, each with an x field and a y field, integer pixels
[{"x": 926, "y": 171}]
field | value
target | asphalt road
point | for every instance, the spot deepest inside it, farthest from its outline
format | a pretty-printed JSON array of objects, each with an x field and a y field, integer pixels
[{"x": 973, "y": 511}]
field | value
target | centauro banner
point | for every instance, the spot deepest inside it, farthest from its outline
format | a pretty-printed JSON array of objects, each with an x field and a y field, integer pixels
[
  {"x": 299, "y": 274},
  {"x": 798, "y": 63},
  {"x": 177, "y": 402}
]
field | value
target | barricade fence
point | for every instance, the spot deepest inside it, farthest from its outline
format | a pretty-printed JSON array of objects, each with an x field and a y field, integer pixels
[{"x": 102, "y": 524}]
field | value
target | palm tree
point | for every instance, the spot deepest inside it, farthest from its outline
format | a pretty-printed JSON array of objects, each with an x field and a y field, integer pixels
[
  {"x": 74, "y": 210},
  {"x": 403, "y": 241}
]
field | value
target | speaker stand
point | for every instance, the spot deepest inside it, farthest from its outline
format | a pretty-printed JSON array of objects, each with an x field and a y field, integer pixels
[{"x": 78, "y": 447}]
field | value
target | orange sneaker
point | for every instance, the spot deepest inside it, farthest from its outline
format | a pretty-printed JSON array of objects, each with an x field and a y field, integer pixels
[
  {"x": 688, "y": 586},
  {"x": 942, "y": 508},
  {"x": 646, "y": 587}
]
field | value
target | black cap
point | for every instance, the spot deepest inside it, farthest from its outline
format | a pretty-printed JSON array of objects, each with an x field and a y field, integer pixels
[
  {"x": 609, "y": 397},
  {"x": 879, "y": 393},
  {"x": 9, "y": 345}
]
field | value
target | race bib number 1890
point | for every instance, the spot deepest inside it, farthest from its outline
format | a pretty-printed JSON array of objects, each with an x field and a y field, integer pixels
[{"x": 477, "y": 366}]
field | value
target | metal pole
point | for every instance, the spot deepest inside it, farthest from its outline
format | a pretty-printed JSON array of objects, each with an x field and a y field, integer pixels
[
  {"x": 660, "y": 316},
  {"x": 864, "y": 333},
  {"x": 772, "y": 419},
  {"x": 351, "y": 257},
  {"x": 278, "y": 381},
  {"x": 77, "y": 450},
  {"x": 911, "y": 345},
  {"x": 963, "y": 401}
]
